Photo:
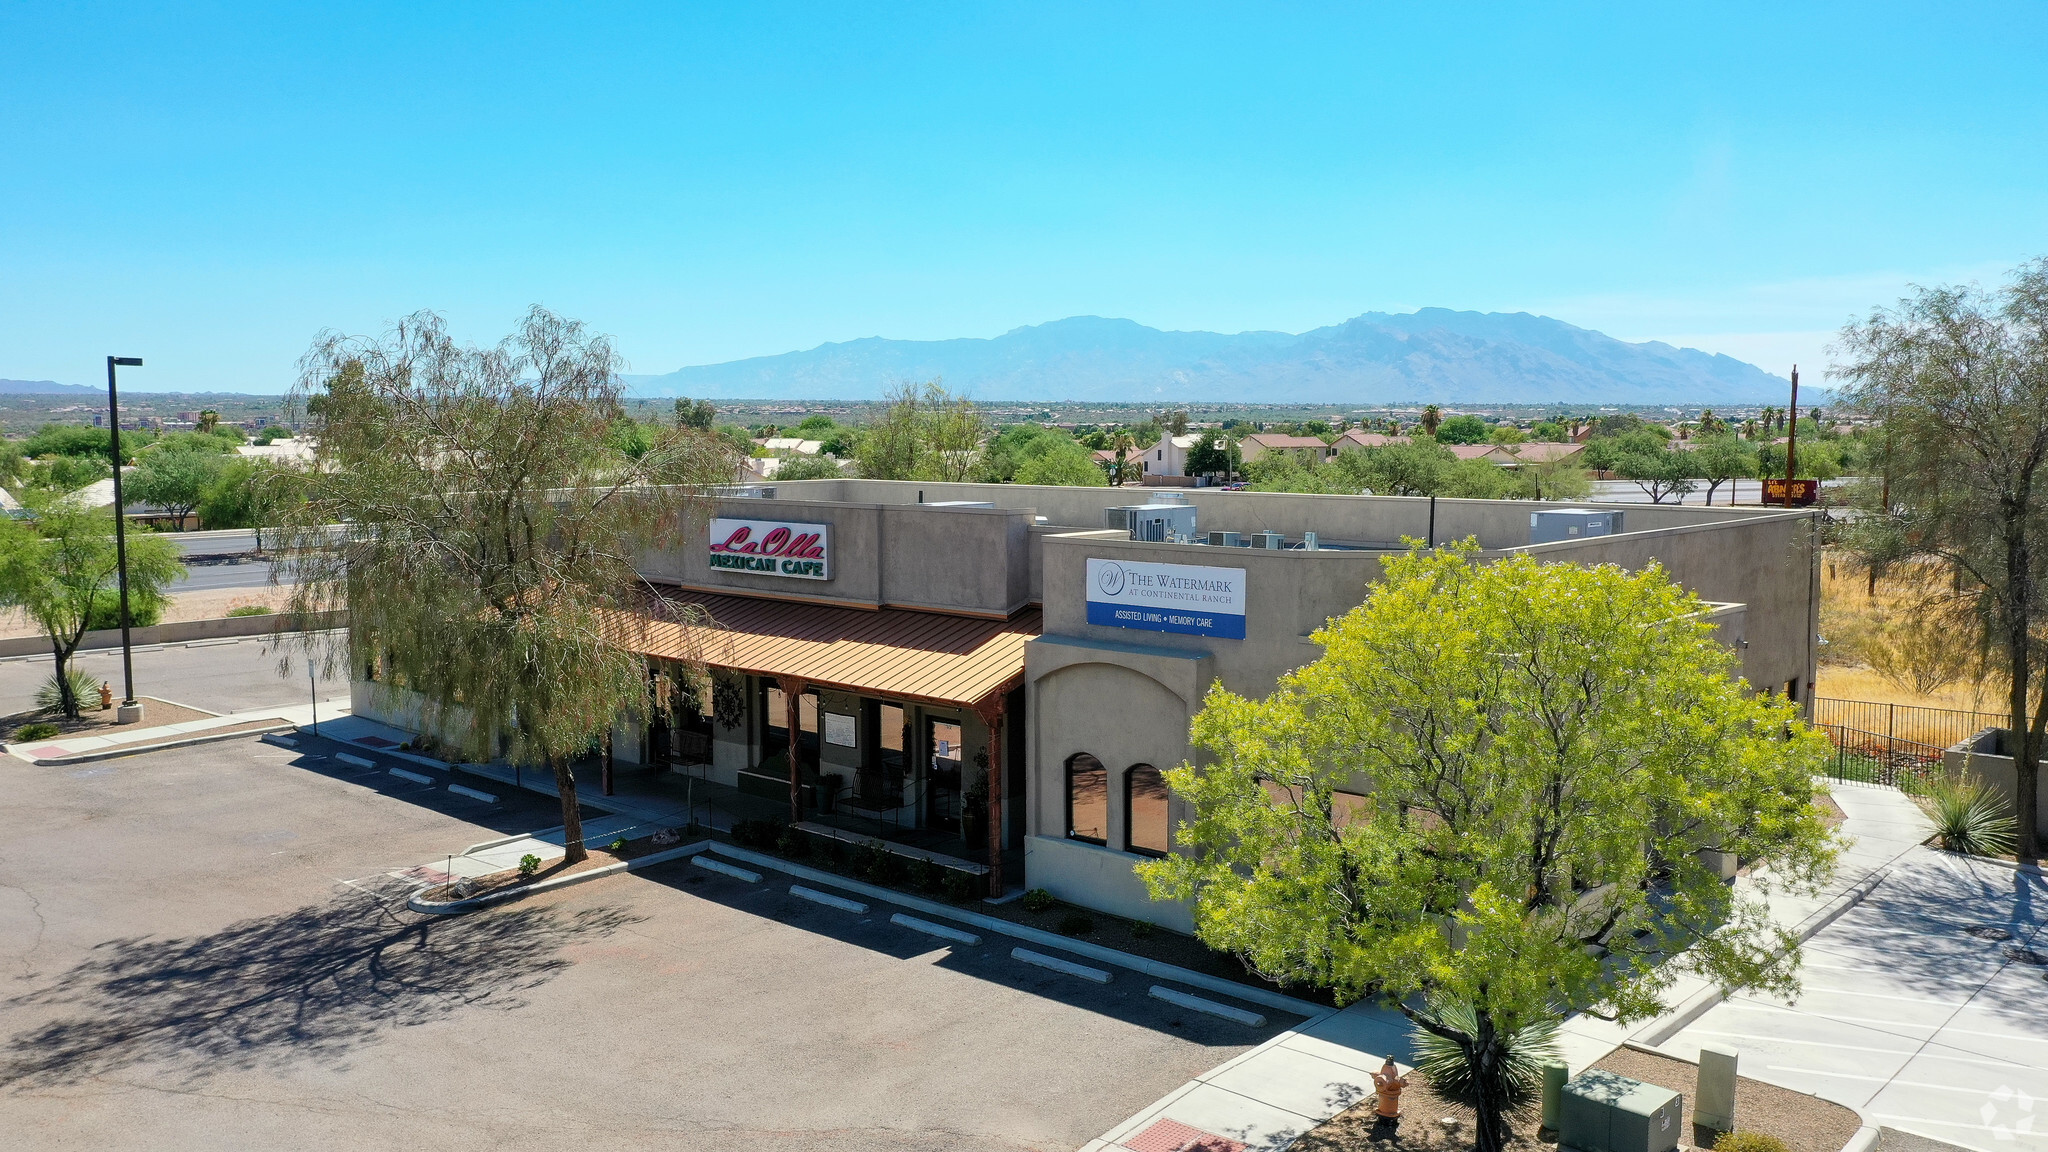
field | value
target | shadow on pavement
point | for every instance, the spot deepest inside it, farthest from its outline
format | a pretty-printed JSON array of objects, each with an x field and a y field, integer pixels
[
  {"x": 1126, "y": 997},
  {"x": 318, "y": 981}
]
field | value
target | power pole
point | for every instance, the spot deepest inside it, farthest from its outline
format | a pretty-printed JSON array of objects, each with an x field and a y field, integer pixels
[{"x": 1792, "y": 437}]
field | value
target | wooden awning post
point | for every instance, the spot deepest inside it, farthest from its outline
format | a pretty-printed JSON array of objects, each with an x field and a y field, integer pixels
[
  {"x": 792, "y": 717},
  {"x": 991, "y": 713},
  {"x": 608, "y": 764}
]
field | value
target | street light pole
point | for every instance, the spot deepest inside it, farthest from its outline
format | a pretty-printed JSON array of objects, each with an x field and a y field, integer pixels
[{"x": 131, "y": 711}]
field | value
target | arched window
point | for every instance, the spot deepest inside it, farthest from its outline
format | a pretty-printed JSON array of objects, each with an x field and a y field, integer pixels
[
  {"x": 1145, "y": 824},
  {"x": 1087, "y": 799}
]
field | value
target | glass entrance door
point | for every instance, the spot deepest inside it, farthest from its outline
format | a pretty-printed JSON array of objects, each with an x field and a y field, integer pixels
[{"x": 942, "y": 788}]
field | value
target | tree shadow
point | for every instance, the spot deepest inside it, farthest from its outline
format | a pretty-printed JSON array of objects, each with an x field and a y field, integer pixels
[{"x": 319, "y": 982}]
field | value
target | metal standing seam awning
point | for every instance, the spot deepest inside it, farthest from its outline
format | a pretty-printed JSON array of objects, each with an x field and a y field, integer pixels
[{"x": 928, "y": 657}]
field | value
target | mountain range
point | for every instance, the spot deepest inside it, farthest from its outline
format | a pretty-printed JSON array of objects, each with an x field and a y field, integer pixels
[
  {"x": 1434, "y": 354},
  {"x": 46, "y": 388}
]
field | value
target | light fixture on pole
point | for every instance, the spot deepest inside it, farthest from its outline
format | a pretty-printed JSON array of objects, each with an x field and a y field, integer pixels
[{"x": 131, "y": 708}]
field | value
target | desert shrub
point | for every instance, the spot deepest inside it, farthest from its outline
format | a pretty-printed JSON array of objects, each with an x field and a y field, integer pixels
[
  {"x": 84, "y": 685},
  {"x": 1440, "y": 1059},
  {"x": 794, "y": 843},
  {"x": 1749, "y": 1142},
  {"x": 616, "y": 846},
  {"x": 1971, "y": 818},
  {"x": 756, "y": 833},
  {"x": 1143, "y": 929},
  {"x": 1076, "y": 924},
  {"x": 1922, "y": 653},
  {"x": 1038, "y": 900},
  {"x": 249, "y": 610},
  {"x": 871, "y": 861},
  {"x": 962, "y": 886},
  {"x": 528, "y": 865},
  {"x": 40, "y": 730},
  {"x": 926, "y": 876}
]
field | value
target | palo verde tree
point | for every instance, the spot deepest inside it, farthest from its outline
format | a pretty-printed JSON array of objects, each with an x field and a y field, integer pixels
[
  {"x": 1486, "y": 804},
  {"x": 58, "y": 565},
  {"x": 490, "y": 520},
  {"x": 1960, "y": 379}
]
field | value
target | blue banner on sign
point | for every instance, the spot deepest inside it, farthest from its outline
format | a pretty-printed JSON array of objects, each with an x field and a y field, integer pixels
[{"x": 1166, "y": 620}]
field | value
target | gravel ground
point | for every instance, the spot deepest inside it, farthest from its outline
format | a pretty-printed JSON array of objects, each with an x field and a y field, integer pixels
[{"x": 1805, "y": 1123}]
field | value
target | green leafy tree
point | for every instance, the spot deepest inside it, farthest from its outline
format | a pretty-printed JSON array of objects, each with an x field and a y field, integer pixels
[
  {"x": 208, "y": 420},
  {"x": 1465, "y": 429},
  {"x": 1061, "y": 461},
  {"x": 808, "y": 468},
  {"x": 1659, "y": 469},
  {"x": 698, "y": 414},
  {"x": 1492, "y": 792},
  {"x": 924, "y": 433},
  {"x": 59, "y": 567},
  {"x": 1960, "y": 378},
  {"x": 1563, "y": 478},
  {"x": 493, "y": 524},
  {"x": 1720, "y": 457},
  {"x": 816, "y": 426},
  {"x": 1212, "y": 454},
  {"x": 173, "y": 479}
]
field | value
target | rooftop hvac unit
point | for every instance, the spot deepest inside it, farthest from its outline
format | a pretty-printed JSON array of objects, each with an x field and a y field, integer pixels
[
  {"x": 1603, "y": 1112},
  {"x": 1554, "y": 524},
  {"x": 1154, "y": 522},
  {"x": 1225, "y": 539},
  {"x": 1269, "y": 540},
  {"x": 1310, "y": 542}
]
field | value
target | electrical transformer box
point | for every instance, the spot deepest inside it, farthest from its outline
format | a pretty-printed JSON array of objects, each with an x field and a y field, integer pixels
[
  {"x": 1554, "y": 524},
  {"x": 1602, "y": 1112}
]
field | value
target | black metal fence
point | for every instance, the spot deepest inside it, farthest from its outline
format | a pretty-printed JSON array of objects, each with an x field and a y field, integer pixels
[
  {"x": 1877, "y": 758},
  {"x": 1902, "y": 727}
]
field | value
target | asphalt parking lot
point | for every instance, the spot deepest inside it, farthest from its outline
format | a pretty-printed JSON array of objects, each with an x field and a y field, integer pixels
[{"x": 202, "y": 949}]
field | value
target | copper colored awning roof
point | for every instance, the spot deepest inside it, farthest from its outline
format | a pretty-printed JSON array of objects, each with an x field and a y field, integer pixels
[{"x": 895, "y": 652}]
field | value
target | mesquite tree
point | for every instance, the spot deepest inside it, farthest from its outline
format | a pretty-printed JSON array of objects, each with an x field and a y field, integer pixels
[
  {"x": 1502, "y": 795},
  {"x": 475, "y": 511},
  {"x": 1960, "y": 379}
]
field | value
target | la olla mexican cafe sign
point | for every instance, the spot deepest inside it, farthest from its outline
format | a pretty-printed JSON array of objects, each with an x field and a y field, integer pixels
[{"x": 772, "y": 548}]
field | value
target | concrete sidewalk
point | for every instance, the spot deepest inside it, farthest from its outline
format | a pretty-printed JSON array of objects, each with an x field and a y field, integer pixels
[
  {"x": 118, "y": 740},
  {"x": 1269, "y": 1097}
]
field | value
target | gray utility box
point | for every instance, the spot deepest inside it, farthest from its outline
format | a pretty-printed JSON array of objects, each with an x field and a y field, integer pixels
[
  {"x": 1602, "y": 1112},
  {"x": 1156, "y": 522},
  {"x": 1554, "y": 524}
]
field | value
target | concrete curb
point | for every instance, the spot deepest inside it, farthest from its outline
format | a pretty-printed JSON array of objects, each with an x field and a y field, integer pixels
[
  {"x": 458, "y": 907},
  {"x": 184, "y": 742},
  {"x": 1699, "y": 1003},
  {"x": 1033, "y": 936}
]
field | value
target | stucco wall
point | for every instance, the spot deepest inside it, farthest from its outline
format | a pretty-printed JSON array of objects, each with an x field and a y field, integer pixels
[
  {"x": 1984, "y": 756},
  {"x": 968, "y": 560}
]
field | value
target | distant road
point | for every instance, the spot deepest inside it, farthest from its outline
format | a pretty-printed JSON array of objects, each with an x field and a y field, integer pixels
[
  {"x": 223, "y": 574},
  {"x": 225, "y": 542}
]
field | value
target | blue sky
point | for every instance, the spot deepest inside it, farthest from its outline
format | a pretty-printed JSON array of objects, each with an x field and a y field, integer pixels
[{"x": 209, "y": 185}]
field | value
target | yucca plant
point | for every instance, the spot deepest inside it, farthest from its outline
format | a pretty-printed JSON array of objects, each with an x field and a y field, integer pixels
[
  {"x": 1449, "y": 1068},
  {"x": 1971, "y": 818},
  {"x": 84, "y": 687}
]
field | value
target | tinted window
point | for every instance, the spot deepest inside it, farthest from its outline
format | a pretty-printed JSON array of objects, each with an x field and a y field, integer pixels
[
  {"x": 1087, "y": 799},
  {"x": 1145, "y": 800}
]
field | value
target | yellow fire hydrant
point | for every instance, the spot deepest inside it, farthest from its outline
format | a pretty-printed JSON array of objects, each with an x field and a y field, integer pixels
[{"x": 106, "y": 695}]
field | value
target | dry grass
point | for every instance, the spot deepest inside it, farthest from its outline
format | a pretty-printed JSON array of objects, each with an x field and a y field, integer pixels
[{"x": 1853, "y": 618}]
